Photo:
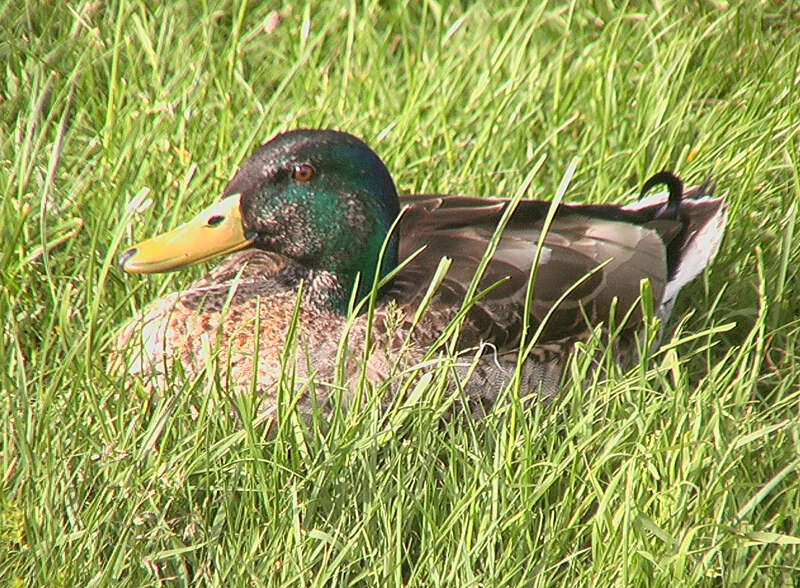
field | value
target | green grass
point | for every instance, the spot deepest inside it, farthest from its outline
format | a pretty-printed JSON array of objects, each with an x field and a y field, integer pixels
[{"x": 681, "y": 471}]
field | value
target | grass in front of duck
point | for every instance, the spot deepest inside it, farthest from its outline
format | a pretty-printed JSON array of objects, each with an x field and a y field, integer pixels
[{"x": 120, "y": 120}]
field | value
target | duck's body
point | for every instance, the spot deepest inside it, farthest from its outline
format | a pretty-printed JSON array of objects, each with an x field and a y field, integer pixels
[{"x": 241, "y": 312}]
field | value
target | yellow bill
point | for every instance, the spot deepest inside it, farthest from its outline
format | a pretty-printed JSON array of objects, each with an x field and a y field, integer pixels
[{"x": 217, "y": 230}]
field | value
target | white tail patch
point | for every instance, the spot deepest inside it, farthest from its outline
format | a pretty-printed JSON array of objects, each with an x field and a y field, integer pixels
[{"x": 700, "y": 247}]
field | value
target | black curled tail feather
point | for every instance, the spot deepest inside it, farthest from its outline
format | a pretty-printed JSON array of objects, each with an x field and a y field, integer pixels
[
  {"x": 675, "y": 188},
  {"x": 670, "y": 211}
]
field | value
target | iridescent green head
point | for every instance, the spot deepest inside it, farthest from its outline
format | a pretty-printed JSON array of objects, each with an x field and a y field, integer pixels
[{"x": 321, "y": 198}]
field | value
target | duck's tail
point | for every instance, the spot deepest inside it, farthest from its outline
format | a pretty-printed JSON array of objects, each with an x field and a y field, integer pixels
[{"x": 703, "y": 216}]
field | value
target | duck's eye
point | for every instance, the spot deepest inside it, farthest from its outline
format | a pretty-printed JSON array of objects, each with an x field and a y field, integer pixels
[{"x": 303, "y": 172}]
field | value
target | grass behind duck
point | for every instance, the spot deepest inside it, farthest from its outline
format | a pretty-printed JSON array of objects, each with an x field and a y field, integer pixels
[{"x": 683, "y": 469}]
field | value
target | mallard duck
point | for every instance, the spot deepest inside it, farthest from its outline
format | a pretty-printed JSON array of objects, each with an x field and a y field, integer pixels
[{"x": 310, "y": 214}]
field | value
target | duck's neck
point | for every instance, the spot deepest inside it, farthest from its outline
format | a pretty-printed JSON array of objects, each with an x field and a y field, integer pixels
[{"x": 332, "y": 288}]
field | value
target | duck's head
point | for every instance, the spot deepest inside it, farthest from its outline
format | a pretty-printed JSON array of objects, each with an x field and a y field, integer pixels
[{"x": 321, "y": 198}]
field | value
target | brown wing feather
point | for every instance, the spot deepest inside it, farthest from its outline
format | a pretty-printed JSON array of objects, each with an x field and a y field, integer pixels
[{"x": 580, "y": 240}]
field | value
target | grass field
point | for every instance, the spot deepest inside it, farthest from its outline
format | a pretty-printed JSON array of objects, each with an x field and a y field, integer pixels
[{"x": 681, "y": 471}]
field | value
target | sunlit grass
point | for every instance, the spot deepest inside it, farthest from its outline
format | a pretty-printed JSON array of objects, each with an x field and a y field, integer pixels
[{"x": 119, "y": 120}]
